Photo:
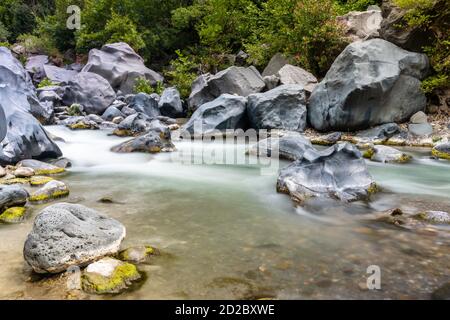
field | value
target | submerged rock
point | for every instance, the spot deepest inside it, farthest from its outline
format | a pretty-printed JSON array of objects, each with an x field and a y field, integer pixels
[
  {"x": 151, "y": 142},
  {"x": 370, "y": 83},
  {"x": 287, "y": 147},
  {"x": 67, "y": 235},
  {"x": 12, "y": 196},
  {"x": 13, "y": 215},
  {"x": 281, "y": 108},
  {"x": 386, "y": 154},
  {"x": 50, "y": 191},
  {"x": 338, "y": 172},
  {"x": 442, "y": 151},
  {"x": 121, "y": 66},
  {"x": 41, "y": 168},
  {"x": 91, "y": 91},
  {"x": 109, "y": 276},
  {"x": 225, "y": 112},
  {"x": 233, "y": 81}
]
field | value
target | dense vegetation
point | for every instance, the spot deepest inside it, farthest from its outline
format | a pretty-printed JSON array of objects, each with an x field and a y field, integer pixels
[{"x": 185, "y": 37}]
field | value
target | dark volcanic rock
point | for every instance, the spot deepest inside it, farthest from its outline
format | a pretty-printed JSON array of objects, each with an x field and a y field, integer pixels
[
  {"x": 281, "y": 108},
  {"x": 339, "y": 172},
  {"x": 170, "y": 103},
  {"x": 22, "y": 135},
  {"x": 121, "y": 66}
]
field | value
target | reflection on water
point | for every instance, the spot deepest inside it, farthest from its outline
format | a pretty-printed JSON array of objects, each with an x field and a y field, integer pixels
[{"x": 228, "y": 234}]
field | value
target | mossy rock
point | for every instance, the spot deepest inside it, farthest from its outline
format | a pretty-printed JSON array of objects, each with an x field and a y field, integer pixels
[
  {"x": 109, "y": 276},
  {"x": 15, "y": 181},
  {"x": 40, "y": 180},
  {"x": 42, "y": 168},
  {"x": 122, "y": 133},
  {"x": 50, "y": 191},
  {"x": 82, "y": 126},
  {"x": 436, "y": 217},
  {"x": 138, "y": 254},
  {"x": 13, "y": 215},
  {"x": 442, "y": 151}
]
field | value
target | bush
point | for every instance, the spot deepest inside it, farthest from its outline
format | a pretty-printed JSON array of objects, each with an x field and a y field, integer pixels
[
  {"x": 142, "y": 85},
  {"x": 46, "y": 82}
]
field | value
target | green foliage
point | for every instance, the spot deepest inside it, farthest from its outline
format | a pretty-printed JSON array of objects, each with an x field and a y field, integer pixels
[
  {"x": 36, "y": 44},
  {"x": 142, "y": 85},
  {"x": 17, "y": 17},
  {"x": 434, "y": 16},
  {"x": 182, "y": 74},
  {"x": 344, "y": 6},
  {"x": 4, "y": 33},
  {"x": 46, "y": 82}
]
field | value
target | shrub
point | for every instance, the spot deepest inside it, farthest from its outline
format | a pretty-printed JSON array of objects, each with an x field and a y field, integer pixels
[
  {"x": 182, "y": 74},
  {"x": 46, "y": 82},
  {"x": 142, "y": 85}
]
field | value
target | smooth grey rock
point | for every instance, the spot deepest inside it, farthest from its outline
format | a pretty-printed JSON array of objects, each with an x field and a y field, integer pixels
[
  {"x": 144, "y": 103},
  {"x": 370, "y": 83},
  {"x": 234, "y": 80},
  {"x": 361, "y": 25},
  {"x": 121, "y": 66},
  {"x": 170, "y": 103},
  {"x": 420, "y": 129},
  {"x": 386, "y": 154},
  {"x": 111, "y": 113},
  {"x": 419, "y": 118},
  {"x": 140, "y": 123},
  {"x": 151, "y": 142},
  {"x": 50, "y": 96},
  {"x": 439, "y": 217},
  {"x": 225, "y": 112},
  {"x": 339, "y": 172},
  {"x": 281, "y": 108},
  {"x": 59, "y": 75},
  {"x": 290, "y": 74},
  {"x": 12, "y": 196},
  {"x": 271, "y": 82},
  {"x": 21, "y": 134},
  {"x": 65, "y": 235},
  {"x": 277, "y": 62},
  {"x": 91, "y": 91},
  {"x": 127, "y": 111},
  {"x": 50, "y": 191},
  {"x": 291, "y": 147},
  {"x": 409, "y": 38},
  {"x": 24, "y": 172}
]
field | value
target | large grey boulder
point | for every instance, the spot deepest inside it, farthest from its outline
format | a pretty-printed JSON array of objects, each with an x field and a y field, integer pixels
[
  {"x": 170, "y": 103},
  {"x": 91, "y": 91},
  {"x": 339, "y": 172},
  {"x": 59, "y": 75},
  {"x": 281, "y": 108},
  {"x": 370, "y": 83},
  {"x": 361, "y": 25},
  {"x": 234, "y": 80},
  {"x": 290, "y": 74},
  {"x": 151, "y": 142},
  {"x": 121, "y": 66},
  {"x": 12, "y": 196},
  {"x": 66, "y": 235},
  {"x": 146, "y": 104},
  {"x": 226, "y": 112},
  {"x": 139, "y": 123},
  {"x": 291, "y": 147},
  {"x": 22, "y": 136}
]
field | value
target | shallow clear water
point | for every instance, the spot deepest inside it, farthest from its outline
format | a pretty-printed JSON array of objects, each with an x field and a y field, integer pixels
[{"x": 226, "y": 233}]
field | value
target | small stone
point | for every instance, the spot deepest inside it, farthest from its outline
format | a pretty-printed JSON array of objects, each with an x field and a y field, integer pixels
[
  {"x": 138, "y": 254},
  {"x": 24, "y": 172},
  {"x": 420, "y": 129},
  {"x": 109, "y": 276},
  {"x": 50, "y": 191},
  {"x": 13, "y": 215},
  {"x": 117, "y": 120},
  {"x": 2, "y": 172},
  {"x": 419, "y": 117}
]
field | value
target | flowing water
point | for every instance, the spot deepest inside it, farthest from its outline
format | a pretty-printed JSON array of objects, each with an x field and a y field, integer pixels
[{"x": 226, "y": 233}]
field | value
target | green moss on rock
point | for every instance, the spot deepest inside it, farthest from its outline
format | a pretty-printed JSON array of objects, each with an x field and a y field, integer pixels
[
  {"x": 439, "y": 154},
  {"x": 40, "y": 180},
  {"x": 15, "y": 181}
]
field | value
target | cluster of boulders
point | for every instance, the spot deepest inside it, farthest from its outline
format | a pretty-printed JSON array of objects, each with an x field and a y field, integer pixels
[{"x": 29, "y": 182}]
